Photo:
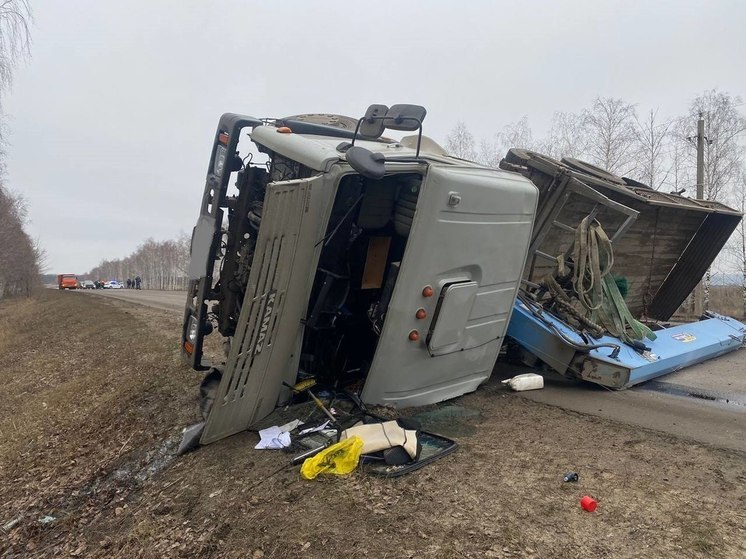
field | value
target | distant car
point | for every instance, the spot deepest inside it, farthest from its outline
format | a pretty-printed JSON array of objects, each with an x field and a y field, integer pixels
[
  {"x": 87, "y": 284},
  {"x": 113, "y": 284}
]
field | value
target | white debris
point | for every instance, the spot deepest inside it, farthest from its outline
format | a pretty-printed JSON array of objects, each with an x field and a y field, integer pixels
[{"x": 527, "y": 381}]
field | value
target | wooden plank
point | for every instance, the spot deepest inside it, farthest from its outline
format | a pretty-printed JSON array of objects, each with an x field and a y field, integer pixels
[{"x": 375, "y": 262}]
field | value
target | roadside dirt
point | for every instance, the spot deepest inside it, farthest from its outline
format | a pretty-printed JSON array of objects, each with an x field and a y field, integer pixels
[{"x": 94, "y": 399}]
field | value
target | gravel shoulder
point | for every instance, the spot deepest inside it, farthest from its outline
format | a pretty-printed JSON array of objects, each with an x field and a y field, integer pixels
[{"x": 95, "y": 398}]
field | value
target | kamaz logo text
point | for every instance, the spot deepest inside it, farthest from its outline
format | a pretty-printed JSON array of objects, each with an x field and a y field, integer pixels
[{"x": 269, "y": 309}]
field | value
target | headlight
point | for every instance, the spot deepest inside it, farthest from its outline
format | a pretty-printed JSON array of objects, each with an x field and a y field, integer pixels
[
  {"x": 192, "y": 329},
  {"x": 220, "y": 155}
]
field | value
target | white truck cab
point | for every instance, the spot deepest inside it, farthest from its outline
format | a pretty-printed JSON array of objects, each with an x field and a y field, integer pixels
[{"x": 381, "y": 267}]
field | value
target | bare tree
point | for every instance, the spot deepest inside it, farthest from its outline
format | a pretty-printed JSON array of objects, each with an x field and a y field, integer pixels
[
  {"x": 40, "y": 256},
  {"x": 460, "y": 142},
  {"x": 490, "y": 152},
  {"x": 724, "y": 155},
  {"x": 609, "y": 126},
  {"x": 19, "y": 257},
  {"x": 652, "y": 139},
  {"x": 514, "y": 135},
  {"x": 566, "y": 138},
  {"x": 681, "y": 165},
  {"x": 737, "y": 246},
  {"x": 160, "y": 265},
  {"x": 15, "y": 37}
]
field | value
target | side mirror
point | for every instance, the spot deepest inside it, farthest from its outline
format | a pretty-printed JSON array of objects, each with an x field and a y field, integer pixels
[
  {"x": 405, "y": 117},
  {"x": 372, "y": 125},
  {"x": 368, "y": 164}
]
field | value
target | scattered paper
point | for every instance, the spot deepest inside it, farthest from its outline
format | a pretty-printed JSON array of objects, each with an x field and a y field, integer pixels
[
  {"x": 277, "y": 437},
  {"x": 273, "y": 437},
  {"x": 315, "y": 429},
  {"x": 291, "y": 425}
]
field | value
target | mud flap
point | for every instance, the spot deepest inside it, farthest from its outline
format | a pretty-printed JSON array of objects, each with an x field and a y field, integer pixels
[{"x": 190, "y": 438}]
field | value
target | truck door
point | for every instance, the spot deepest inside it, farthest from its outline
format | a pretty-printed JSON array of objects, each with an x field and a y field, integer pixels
[
  {"x": 454, "y": 293},
  {"x": 276, "y": 298}
]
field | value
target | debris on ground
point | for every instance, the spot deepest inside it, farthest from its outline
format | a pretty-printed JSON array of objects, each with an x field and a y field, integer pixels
[
  {"x": 120, "y": 501},
  {"x": 525, "y": 381},
  {"x": 588, "y": 503}
]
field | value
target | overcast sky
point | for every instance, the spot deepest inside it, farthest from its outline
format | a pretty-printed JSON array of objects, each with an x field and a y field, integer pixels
[{"x": 111, "y": 120}]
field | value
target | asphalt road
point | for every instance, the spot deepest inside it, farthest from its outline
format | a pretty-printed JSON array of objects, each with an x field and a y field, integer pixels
[
  {"x": 167, "y": 300},
  {"x": 691, "y": 403},
  {"x": 705, "y": 403}
]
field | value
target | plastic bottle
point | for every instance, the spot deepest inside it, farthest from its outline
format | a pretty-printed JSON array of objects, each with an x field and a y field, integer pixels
[{"x": 527, "y": 381}]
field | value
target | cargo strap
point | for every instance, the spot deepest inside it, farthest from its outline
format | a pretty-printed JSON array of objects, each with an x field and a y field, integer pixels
[{"x": 595, "y": 287}]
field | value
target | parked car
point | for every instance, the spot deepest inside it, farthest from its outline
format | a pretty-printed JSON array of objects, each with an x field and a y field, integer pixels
[
  {"x": 87, "y": 284},
  {"x": 113, "y": 284}
]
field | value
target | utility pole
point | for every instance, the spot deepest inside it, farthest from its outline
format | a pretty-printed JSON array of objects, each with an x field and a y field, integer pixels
[
  {"x": 699, "y": 304},
  {"x": 701, "y": 157}
]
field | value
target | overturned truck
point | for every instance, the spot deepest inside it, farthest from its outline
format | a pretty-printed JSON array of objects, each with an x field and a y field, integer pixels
[{"x": 391, "y": 270}]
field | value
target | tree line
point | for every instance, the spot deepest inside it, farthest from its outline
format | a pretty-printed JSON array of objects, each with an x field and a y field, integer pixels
[
  {"x": 160, "y": 265},
  {"x": 658, "y": 151},
  {"x": 21, "y": 259}
]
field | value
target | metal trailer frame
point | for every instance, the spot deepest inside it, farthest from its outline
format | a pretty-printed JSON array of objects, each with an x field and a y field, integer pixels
[{"x": 673, "y": 349}]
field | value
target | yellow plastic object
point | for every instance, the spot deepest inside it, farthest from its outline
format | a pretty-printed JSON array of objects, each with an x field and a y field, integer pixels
[{"x": 340, "y": 458}]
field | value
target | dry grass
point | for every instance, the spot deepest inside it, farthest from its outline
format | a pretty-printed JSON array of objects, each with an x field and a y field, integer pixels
[
  {"x": 86, "y": 386},
  {"x": 88, "y": 418}
]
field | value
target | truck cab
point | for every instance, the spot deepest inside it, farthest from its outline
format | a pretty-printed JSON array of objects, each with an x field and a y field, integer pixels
[
  {"x": 376, "y": 266},
  {"x": 67, "y": 281}
]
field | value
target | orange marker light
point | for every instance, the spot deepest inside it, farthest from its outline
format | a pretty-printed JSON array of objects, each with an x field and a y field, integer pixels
[
  {"x": 427, "y": 291},
  {"x": 284, "y": 130},
  {"x": 421, "y": 314},
  {"x": 223, "y": 138},
  {"x": 414, "y": 335},
  {"x": 189, "y": 347}
]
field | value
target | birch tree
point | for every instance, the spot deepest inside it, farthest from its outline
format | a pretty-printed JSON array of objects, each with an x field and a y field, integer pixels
[
  {"x": 652, "y": 140},
  {"x": 567, "y": 137},
  {"x": 19, "y": 255},
  {"x": 609, "y": 127},
  {"x": 160, "y": 265},
  {"x": 514, "y": 135},
  {"x": 723, "y": 151},
  {"x": 460, "y": 142},
  {"x": 681, "y": 173},
  {"x": 724, "y": 154},
  {"x": 15, "y": 37}
]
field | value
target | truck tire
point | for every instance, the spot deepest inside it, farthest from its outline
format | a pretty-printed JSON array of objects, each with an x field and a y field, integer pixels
[
  {"x": 337, "y": 121},
  {"x": 592, "y": 170},
  {"x": 632, "y": 182}
]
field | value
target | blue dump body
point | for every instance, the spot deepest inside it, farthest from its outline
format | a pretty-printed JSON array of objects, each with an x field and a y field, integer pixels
[{"x": 673, "y": 349}]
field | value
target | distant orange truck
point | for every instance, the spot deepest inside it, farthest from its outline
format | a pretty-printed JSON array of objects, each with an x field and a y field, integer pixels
[{"x": 67, "y": 281}]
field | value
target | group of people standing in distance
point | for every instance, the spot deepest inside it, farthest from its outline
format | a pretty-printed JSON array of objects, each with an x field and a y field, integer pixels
[{"x": 134, "y": 283}]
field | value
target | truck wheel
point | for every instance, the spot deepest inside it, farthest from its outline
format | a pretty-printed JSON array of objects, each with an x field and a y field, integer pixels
[
  {"x": 337, "y": 121},
  {"x": 592, "y": 170},
  {"x": 632, "y": 182}
]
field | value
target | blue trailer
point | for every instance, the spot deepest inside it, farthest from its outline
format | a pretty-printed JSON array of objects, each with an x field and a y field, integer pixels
[
  {"x": 659, "y": 244},
  {"x": 610, "y": 362}
]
